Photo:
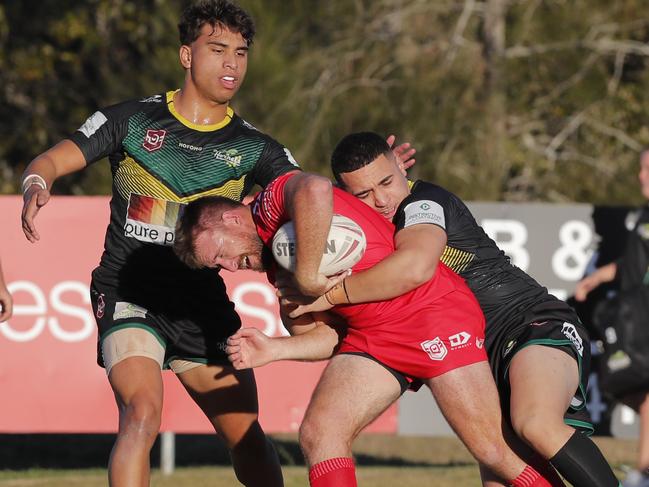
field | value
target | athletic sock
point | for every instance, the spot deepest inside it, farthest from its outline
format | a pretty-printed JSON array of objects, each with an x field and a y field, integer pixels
[
  {"x": 530, "y": 478},
  {"x": 582, "y": 464},
  {"x": 334, "y": 472}
]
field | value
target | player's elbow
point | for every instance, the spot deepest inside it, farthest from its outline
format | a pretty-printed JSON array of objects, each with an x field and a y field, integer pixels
[
  {"x": 315, "y": 186},
  {"x": 419, "y": 274}
]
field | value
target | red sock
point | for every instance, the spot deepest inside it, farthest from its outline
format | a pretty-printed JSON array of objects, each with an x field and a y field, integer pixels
[
  {"x": 335, "y": 472},
  {"x": 530, "y": 478}
]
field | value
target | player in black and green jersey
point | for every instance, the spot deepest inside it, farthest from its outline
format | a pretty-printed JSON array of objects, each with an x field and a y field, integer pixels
[{"x": 152, "y": 311}]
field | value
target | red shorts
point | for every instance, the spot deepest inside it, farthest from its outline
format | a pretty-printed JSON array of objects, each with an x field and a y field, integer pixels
[{"x": 445, "y": 335}]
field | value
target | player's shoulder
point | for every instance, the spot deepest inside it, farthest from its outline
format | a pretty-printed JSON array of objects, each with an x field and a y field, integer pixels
[{"x": 128, "y": 108}]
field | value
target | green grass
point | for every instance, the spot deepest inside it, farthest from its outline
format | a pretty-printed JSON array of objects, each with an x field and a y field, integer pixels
[{"x": 383, "y": 461}]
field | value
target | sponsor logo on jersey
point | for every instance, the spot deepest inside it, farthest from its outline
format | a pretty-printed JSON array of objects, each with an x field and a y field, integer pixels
[
  {"x": 92, "y": 124},
  {"x": 459, "y": 340},
  {"x": 231, "y": 157},
  {"x": 576, "y": 402},
  {"x": 101, "y": 306},
  {"x": 570, "y": 332},
  {"x": 152, "y": 99},
  {"x": 153, "y": 139},
  {"x": 509, "y": 348},
  {"x": 435, "y": 348},
  {"x": 189, "y": 147},
  {"x": 479, "y": 342},
  {"x": 424, "y": 212},
  {"x": 124, "y": 310},
  {"x": 152, "y": 220}
]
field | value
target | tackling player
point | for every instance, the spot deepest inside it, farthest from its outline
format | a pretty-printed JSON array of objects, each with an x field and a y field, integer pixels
[
  {"x": 538, "y": 349},
  {"x": 387, "y": 345}
]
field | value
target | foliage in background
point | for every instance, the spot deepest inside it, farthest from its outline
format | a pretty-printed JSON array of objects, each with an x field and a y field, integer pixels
[{"x": 519, "y": 100}]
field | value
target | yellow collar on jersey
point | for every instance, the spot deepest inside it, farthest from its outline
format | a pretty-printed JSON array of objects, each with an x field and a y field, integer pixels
[{"x": 201, "y": 128}]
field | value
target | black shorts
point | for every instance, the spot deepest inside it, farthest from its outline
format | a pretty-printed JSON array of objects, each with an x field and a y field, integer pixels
[
  {"x": 568, "y": 337},
  {"x": 191, "y": 331},
  {"x": 404, "y": 383}
]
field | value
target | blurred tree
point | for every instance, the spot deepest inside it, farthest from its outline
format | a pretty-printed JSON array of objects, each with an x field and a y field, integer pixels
[{"x": 504, "y": 99}]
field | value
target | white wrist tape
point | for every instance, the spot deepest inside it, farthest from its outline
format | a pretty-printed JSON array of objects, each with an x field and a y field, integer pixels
[{"x": 33, "y": 179}]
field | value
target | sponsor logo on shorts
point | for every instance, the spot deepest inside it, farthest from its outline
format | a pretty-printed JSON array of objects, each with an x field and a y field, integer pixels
[
  {"x": 101, "y": 306},
  {"x": 424, "y": 212},
  {"x": 92, "y": 124},
  {"x": 435, "y": 348},
  {"x": 575, "y": 402},
  {"x": 231, "y": 157},
  {"x": 570, "y": 332},
  {"x": 509, "y": 348},
  {"x": 479, "y": 342},
  {"x": 460, "y": 340},
  {"x": 539, "y": 323},
  {"x": 153, "y": 139},
  {"x": 124, "y": 310}
]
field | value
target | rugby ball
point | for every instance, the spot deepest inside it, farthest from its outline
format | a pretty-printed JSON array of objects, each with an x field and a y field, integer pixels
[{"x": 345, "y": 246}]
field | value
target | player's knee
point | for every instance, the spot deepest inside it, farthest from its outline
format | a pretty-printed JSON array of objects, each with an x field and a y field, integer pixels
[
  {"x": 141, "y": 417},
  {"x": 535, "y": 427}
]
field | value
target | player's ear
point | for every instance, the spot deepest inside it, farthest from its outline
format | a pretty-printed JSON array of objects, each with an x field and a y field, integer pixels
[
  {"x": 185, "y": 54},
  {"x": 231, "y": 217}
]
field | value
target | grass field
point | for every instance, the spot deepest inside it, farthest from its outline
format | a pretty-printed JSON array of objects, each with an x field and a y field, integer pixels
[{"x": 384, "y": 461}]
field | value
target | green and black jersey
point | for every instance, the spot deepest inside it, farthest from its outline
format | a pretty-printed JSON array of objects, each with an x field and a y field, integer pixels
[{"x": 161, "y": 161}]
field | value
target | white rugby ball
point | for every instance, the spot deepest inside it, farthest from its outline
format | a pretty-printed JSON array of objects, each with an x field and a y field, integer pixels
[{"x": 345, "y": 246}]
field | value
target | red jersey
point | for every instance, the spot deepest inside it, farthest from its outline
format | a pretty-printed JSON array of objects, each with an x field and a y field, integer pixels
[{"x": 413, "y": 320}]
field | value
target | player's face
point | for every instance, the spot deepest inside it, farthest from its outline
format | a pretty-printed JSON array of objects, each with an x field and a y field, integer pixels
[
  {"x": 379, "y": 185},
  {"x": 218, "y": 63},
  {"x": 643, "y": 175},
  {"x": 229, "y": 248}
]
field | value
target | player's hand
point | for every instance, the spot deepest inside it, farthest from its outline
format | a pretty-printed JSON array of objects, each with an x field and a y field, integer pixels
[
  {"x": 249, "y": 348},
  {"x": 585, "y": 286},
  {"x": 320, "y": 304},
  {"x": 403, "y": 153},
  {"x": 319, "y": 284},
  {"x": 6, "y": 304},
  {"x": 33, "y": 200}
]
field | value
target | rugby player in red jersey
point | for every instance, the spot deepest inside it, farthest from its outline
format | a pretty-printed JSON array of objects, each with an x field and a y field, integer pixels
[
  {"x": 538, "y": 349},
  {"x": 387, "y": 345}
]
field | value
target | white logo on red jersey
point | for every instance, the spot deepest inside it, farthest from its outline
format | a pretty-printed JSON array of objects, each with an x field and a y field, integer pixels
[
  {"x": 153, "y": 139},
  {"x": 435, "y": 348},
  {"x": 479, "y": 342},
  {"x": 459, "y": 339}
]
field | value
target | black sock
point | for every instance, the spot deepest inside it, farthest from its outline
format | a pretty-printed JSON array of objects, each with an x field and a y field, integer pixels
[{"x": 582, "y": 464}]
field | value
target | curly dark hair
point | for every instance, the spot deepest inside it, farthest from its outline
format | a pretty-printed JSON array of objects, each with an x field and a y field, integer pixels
[{"x": 222, "y": 13}]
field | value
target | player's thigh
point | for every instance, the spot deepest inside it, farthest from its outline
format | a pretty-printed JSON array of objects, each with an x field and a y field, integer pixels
[
  {"x": 228, "y": 397},
  {"x": 352, "y": 392},
  {"x": 467, "y": 397},
  {"x": 543, "y": 380},
  {"x": 133, "y": 359}
]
